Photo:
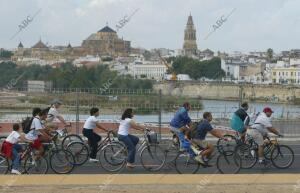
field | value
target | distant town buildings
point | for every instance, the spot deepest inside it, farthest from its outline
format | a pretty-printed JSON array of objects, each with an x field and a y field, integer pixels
[{"x": 106, "y": 47}]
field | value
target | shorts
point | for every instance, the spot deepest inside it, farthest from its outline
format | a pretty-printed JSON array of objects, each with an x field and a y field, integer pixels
[
  {"x": 201, "y": 143},
  {"x": 36, "y": 144},
  {"x": 256, "y": 135}
]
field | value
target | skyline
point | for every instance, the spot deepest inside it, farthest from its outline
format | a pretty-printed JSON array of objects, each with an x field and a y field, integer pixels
[{"x": 254, "y": 25}]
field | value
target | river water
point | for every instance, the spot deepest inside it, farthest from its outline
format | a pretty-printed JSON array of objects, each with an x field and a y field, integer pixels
[{"x": 219, "y": 109}]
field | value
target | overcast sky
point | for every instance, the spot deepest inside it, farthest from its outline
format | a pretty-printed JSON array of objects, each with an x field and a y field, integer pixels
[{"x": 254, "y": 25}]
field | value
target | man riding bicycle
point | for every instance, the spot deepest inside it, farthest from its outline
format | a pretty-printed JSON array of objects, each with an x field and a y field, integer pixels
[
  {"x": 199, "y": 139},
  {"x": 260, "y": 129},
  {"x": 240, "y": 120},
  {"x": 181, "y": 119}
]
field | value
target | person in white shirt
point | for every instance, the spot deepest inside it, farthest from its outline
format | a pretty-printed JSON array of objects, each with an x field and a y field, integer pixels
[
  {"x": 260, "y": 129},
  {"x": 53, "y": 114},
  {"x": 130, "y": 140},
  {"x": 38, "y": 132},
  {"x": 11, "y": 148},
  {"x": 88, "y": 131}
]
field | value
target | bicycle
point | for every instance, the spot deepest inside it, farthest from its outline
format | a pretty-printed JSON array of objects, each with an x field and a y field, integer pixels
[
  {"x": 61, "y": 161},
  {"x": 185, "y": 162},
  {"x": 66, "y": 137},
  {"x": 273, "y": 151},
  {"x": 81, "y": 151},
  {"x": 31, "y": 165},
  {"x": 152, "y": 156}
]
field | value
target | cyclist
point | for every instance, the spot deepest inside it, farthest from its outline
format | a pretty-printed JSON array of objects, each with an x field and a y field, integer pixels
[
  {"x": 38, "y": 132},
  {"x": 53, "y": 114},
  {"x": 260, "y": 129},
  {"x": 130, "y": 140},
  {"x": 11, "y": 148},
  {"x": 199, "y": 139},
  {"x": 88, "y": 131},
  {"x": 240, "y": 120},
  {"x": 181, "y": 119}
]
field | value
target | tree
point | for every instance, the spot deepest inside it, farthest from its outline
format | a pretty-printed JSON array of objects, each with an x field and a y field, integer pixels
[
  {"x": 197, "y": 69},
  {"x": 270, "y": 54}
]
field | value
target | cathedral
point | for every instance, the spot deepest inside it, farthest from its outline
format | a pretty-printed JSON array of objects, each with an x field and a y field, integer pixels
[{"x": 105, "y": 42}]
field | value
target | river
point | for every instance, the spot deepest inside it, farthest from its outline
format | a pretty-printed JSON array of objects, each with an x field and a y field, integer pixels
[{"x": 219, "y": 108}]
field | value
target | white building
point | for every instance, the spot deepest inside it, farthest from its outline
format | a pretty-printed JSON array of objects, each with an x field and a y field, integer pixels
[
  {"x": 86, "y": 59},
  {"x": 286, "y": 75},
  {"x": 38, "y": 61},
  {"x": 232, "y": 68},
  {"x": 146, "y": 69},
  {"x": 38, "y": 86}
]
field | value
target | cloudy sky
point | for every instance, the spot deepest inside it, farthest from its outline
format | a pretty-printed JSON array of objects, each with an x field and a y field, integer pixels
[{"x": 254, "y": 25}]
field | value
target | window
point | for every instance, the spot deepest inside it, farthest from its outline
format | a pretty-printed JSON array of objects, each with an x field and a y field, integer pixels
[{"x": 274, "y": 73}]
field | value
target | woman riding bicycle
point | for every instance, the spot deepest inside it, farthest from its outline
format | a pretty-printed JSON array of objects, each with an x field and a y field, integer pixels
[{"x": 130, "y": 140}]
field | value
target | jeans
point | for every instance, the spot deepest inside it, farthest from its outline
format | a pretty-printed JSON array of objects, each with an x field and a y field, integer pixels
[
  {"x": 130, "y": 141},
  {"x": 93, "y": 139},
  {"x": 179, "y": 134},
  {"x": 16, "y": 156}
]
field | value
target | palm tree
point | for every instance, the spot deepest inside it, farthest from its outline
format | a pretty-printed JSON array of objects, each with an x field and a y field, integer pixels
[{"x": 270, "y": 54}]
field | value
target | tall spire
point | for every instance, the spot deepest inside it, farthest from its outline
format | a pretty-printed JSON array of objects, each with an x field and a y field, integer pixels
[{"x": 190, "y": 44}]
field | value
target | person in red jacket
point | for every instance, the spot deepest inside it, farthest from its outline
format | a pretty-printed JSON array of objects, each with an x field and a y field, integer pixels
[{"x": 11, "y": 148}]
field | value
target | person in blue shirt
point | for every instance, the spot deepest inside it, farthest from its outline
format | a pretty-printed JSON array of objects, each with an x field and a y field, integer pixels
[
  {"x": 180, "y": 120},
  {"x": 203, "y": 128}
]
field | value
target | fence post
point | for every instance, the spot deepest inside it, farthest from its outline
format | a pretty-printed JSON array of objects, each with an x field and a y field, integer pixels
[
  {"x": 159, "y": 113},
  {"x": 77, "y": 111}
]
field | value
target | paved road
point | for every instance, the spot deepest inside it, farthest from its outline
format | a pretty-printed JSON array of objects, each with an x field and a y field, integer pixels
[{"x": 94, "y": 168}]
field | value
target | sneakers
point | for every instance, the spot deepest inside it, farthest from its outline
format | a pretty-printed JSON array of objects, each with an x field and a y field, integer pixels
[
  {"x": 15, "y": 172},
  {"x": 199, "y": 159},
  {"x": 93, "y": 160},
  {"x": 263, "y": 162}
]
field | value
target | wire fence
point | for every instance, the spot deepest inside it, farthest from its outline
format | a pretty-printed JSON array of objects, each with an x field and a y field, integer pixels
[{"x": 150, "y": 106}]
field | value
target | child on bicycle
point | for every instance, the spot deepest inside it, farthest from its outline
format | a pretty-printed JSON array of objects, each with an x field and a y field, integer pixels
[
  {"x": 38, "y": 133},
  {"x": 11, "y": 148},
  {"x": 88, "y": 131}
]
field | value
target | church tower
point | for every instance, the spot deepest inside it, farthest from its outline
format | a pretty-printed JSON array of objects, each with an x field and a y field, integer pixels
[{"x": 190, "y": 44}]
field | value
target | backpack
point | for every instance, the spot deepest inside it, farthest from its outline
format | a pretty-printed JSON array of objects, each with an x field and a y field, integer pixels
[
  {"x": 26, "y": 124},
  {"x": 194, "y": 129}
]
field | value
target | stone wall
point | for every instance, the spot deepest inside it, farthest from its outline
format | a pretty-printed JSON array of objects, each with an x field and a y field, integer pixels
[{"x": 221, "y": 91}]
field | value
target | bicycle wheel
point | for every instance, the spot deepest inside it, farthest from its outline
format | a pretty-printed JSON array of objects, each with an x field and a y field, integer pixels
[
  {"x": 153, "y": 157},
  {"x": 247, "y": 155},
  {"x": 80, "y": 152},
  {"x": 70, "y": 138},
  {"x": 282, "y": 156},
  {"x": 229, "y": 163},
  {"x": 186, "y": 164},
  {"x": 62, "y": 161},
  {"x": 171, "y": 148},
  {"x": 226, "y": 144},
  {"x": 33, "y": 165},
  {"x": 113, "y": 157},
  {"x": 4, "y": 165}
]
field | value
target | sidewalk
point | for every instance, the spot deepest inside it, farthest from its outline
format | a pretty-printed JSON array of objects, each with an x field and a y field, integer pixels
[{"x": 211, "y": 183}]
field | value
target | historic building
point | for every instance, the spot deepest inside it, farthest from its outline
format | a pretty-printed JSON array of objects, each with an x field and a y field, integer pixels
[
  {"x": 106, "y": 42},
  {"x": 190, "y": 45},
  {"x": 103, "y": 43}
]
